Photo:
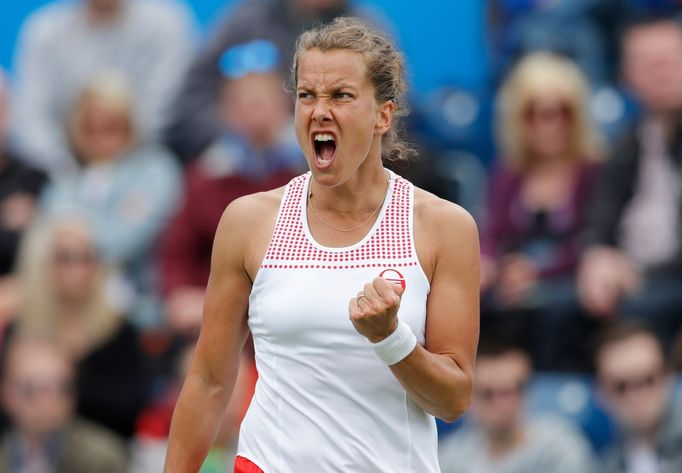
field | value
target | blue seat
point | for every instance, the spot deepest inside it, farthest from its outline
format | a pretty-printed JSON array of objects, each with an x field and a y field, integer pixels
[
  {"x": 613, "y": 110},
  {"x": 453, "y": 117}
]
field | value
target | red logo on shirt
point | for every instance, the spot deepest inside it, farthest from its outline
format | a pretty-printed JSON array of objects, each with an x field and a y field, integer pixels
[{"x": 393, "y": 276}]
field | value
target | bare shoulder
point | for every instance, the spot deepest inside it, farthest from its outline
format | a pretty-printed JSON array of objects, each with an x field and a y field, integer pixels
[
  {"x": 246, "y": 227},
  {"x": 253, "y": 209},
  {"x": 443, "y": 231},
  {"x": 442, "y": 218}
]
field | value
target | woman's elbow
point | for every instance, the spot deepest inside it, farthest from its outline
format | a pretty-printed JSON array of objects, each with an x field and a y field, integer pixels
[
  {"x": 456, "y": 404},
  {"x": 453, "y": 412}
]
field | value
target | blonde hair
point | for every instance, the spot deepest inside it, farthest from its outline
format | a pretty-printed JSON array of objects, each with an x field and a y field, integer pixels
[
  {"x": 38, "y": 314},
  {"x": 110, "y": 90},
  {"x": 385, "y": 70},
  {"x": 536, "y": 76}
]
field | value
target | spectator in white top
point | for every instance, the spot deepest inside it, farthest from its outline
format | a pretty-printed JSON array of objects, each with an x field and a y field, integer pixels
[
  {"x": 126, "y": 189},
  {"x": 64, "y": 44}
]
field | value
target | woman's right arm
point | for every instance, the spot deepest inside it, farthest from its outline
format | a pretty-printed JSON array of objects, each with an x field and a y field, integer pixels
[{"x": 209, "y": 383}]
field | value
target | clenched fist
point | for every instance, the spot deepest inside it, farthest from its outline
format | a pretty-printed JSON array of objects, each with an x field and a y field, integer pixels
[{"x": 374, "y": 310}]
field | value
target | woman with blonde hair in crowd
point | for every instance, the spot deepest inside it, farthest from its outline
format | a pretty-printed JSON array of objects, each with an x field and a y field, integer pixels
[
  {"x": 549, "y": 149},
  {"x": 68, "y": 295},
  {"x": 126, "y": 187}
]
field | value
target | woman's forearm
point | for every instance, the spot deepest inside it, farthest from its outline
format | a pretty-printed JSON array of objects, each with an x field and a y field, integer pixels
[
  {"x": 435, "y": 383},
  {"x": 197, "y": 417}
]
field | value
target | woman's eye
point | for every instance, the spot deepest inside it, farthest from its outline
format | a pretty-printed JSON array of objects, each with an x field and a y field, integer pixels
[
  {"x": 304, "y": 95},
  {"x": 343, "y": 95}
]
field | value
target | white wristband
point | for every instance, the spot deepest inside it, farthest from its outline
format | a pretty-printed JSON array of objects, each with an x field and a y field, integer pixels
[{"x": 397, "y": 345}]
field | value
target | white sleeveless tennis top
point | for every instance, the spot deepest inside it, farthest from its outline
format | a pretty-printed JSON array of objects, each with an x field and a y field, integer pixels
[{"x": 324, "y": 402}]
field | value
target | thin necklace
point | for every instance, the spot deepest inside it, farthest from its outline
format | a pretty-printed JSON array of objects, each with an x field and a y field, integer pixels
[{"x": 345, "y": 230}]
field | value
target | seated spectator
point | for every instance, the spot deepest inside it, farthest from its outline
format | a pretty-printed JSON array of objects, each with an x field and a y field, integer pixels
[
  {"x": 257, "y": 151},
  {"x": 19, "y": 188},
  {"x": 539, "y": 193},
  {"x": 153, "y": 426},
  {"x": 498, "y": 437},
  {"x": 45, "y": 435},
  {"x": 635, "y": 384},
  {"x": 633, "y": 262},
  {"x": 126, "y": 190},
  {"x": 64, "y": 44},
  {"x": 196, "y": 121},
  {"x": 68, "y": 299}
]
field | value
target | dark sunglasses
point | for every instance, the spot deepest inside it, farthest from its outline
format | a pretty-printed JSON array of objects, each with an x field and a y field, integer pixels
[
  {"x": 534, "y": 113},
  {"x": 620, "y": 387}
]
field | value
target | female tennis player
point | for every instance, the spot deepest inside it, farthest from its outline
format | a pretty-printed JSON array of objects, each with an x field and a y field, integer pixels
[{"x": 360, "y": 290}]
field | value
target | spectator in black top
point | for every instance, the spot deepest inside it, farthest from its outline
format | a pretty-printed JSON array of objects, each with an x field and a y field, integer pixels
[
  {"x": 68, "y": 296},
  {"x": 633, "y": 263}
]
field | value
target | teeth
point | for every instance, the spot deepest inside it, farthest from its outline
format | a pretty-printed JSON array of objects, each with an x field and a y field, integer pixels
[{"x": 324, "y": 137}]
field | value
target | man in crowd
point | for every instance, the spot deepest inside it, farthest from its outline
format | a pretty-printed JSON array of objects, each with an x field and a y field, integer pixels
[
  {"x": 635, "y": 384},
  {"x": 633, "y": 262},
  {"x": 499, "y": 437},
  {"x": 38, "y": 396}
]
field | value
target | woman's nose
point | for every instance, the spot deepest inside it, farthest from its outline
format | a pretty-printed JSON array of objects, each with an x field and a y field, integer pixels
[{"x": 322, "y": 111}]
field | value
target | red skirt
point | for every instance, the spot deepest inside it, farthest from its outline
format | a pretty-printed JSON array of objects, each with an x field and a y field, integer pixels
[{"x": 243, "y": 465}]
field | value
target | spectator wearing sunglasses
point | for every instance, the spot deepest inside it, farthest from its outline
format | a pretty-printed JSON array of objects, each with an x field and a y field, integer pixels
[
  {"x": 538, "y": 198},
  {"x": 635, "y": 385},
  {"x": 39, "y": 395},
  {"x": 499, "y": 437},
  {"x": 67, "y": 297}
]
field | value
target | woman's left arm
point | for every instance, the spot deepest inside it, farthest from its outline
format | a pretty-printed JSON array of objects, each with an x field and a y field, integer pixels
[{"x": 439, "y": 376}]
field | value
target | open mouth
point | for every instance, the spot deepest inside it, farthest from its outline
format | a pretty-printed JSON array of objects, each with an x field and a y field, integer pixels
[{"x": 325, "y": 148}]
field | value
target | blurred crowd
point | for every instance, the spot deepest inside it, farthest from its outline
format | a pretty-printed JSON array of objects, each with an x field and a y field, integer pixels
[{"x": 122, "y": 139}]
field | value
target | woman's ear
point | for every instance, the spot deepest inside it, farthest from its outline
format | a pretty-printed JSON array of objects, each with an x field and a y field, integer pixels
[{"x": 384, "y": 117}]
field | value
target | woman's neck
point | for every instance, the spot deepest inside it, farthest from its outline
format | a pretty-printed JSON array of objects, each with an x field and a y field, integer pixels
[{"x": 358, "y": 195}]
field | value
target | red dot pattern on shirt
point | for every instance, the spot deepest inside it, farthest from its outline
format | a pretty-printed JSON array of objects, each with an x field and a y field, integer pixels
[{"x": 391, "y": 241}]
